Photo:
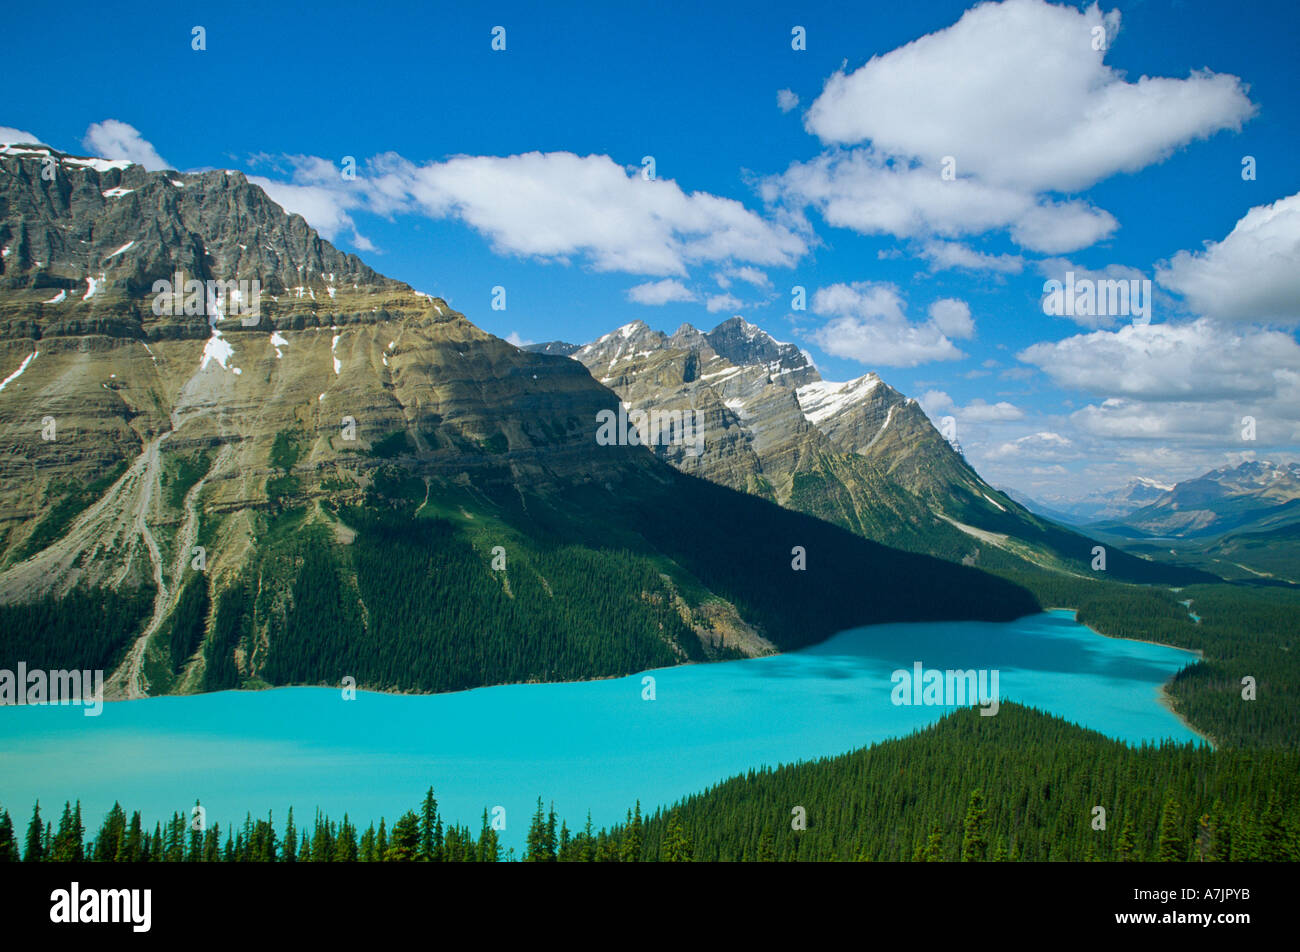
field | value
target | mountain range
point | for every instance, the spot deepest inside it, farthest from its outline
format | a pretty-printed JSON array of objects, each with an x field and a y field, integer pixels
[
  {"x": 1238, "y": 521},
  {"x": 1097, "y": 505},
  {"x": 326, "y": 475},
  {"x": 857, "y": 453}
]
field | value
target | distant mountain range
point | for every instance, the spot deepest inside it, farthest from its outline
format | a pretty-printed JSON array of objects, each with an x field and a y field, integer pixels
[
  {"x": 357, "y": 482},
  {"x": 1100, "y": 504},
  {"x": 1237, "y": 521},
  {"x": 1252, "y": 495}
]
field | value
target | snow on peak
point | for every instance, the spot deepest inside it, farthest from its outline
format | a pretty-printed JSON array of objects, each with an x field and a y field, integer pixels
[
  {"x": 822, "y": 400},
  {"x": 125, "y": 247},
  {"x": 1152, "y": 483},
  {"x": 99, "y": 165},
  {"x": 58, "y": 298}
]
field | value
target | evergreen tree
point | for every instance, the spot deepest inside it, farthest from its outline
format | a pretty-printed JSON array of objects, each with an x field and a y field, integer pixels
[
  {"x": 1124, "y": 846},
  {"x": 552, "y": 843},
  {"x": 1206, "y": 850},
  {"x": 489, "y": 848},
  {"x": 588, "y": 852},
  {"x": 536, "y": 844},
  {"x": 974, "y": 846},
  {"x": 290, "y": 839},
  {"x": 633, "y": 838},
  {"x": 566, "y": 852},
  {"x": 132, "y": 848},
  {"x": 8, "y": 844},
  {"x": 404, "y": 844},
  {"x": 345, "y": 842},
  {"x": 212, "y": 844},
  {"x": 999, "y": 850},
  {"x": 35, "y": 843},
  {"x": 429, "y": 828},
  {"x": 933, "y": 852},
  {"x": 676, "y": 846},
  {"x": 767, "y": 846},
  {"x": 108, "y": 844},
  {"x": 1171, "y": 847}
]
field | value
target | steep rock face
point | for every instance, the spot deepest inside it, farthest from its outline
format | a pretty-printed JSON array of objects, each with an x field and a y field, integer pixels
[
  {"x": 856, "y": 453},
  {"x": 85, "y": 240},
  {"x": 767, "y": 414}
]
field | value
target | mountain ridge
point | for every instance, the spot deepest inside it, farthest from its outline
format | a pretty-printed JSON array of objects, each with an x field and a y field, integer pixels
[{"x": 358, "y": 483}]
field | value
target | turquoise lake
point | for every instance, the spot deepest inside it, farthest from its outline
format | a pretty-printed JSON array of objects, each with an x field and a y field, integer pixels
[{"x": 593, "y": 745}]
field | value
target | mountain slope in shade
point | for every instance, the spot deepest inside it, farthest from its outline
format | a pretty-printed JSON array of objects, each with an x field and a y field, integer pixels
[
  {"x": 359, "y": 483},
  {"x": 857, "y": 453}
]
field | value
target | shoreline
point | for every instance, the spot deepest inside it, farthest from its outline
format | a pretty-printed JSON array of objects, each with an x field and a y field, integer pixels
[{"x": 1163, "y": 697}]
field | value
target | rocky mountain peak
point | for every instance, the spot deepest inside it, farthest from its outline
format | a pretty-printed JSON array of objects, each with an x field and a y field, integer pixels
[
  {"x": 746, "y": 344},
  {"x": 87, "y": 242}
]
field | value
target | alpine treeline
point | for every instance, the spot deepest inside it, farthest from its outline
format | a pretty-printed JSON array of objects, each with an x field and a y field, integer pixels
[{"x": 1019, "y": 786}]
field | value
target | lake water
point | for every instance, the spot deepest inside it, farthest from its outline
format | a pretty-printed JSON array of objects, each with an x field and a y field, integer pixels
[{"x": 594, "y": 745}]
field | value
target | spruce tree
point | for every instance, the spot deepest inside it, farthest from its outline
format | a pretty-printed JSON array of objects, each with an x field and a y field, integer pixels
[
  {"x": 630, "y": 849},
  {"x": 8, "y": 844},
  {"x": 132, "y": 846},
  {"x": 65, "y": 840},
  {"x": 974, "y": 845},
  {"x": 535, "y": 845},
  {"x": 35, "y": 843},
  {"x": 428, "y": 824},
  {"x": 290, "y": 839},
  {"x": 1171, "y": 847},
  {"x": 404, "y": 843},
  {"x": 676, "y": 846},
  {"x": 489, "y": 847},
  {"x": 108, "y": 844}
]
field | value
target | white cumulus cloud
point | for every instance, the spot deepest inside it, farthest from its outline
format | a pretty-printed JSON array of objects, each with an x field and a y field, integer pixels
[
  {"x": 868, "y": 323},
  {"x": 114, "y": 139},
  {"x": 1251, "y": 275}
]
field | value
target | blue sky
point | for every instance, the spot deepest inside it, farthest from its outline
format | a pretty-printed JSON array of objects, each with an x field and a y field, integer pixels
[{"x": 1065, "y": 158}]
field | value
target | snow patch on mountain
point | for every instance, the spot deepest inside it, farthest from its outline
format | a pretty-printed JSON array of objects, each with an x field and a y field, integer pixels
[
  {"x": 824, "y": 399},
  {"x": 19, "y": 372}
]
